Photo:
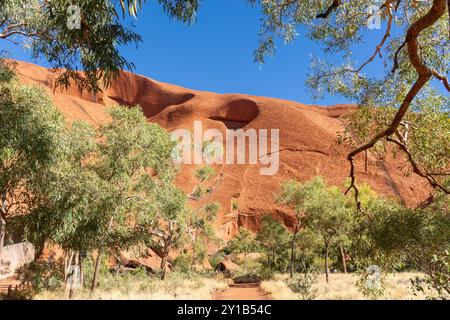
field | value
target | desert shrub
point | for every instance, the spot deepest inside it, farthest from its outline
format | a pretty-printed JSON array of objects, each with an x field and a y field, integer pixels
[
  {"x": 392, "y": 237},
  {"x": 266, "y": 272},
  {"x": 123, "y": 281},
  {"x": 302, "y": 284},
  {"x": 183, "y": 263},
  {"x": 249, "y": 271},
  {"x": 243, "y": 242},
  {"x": 211, "y": 209},
  {"x": 371, "y": 282},
  {"x": 41, "y": 275},
  {"x": 437, "y": 282}
]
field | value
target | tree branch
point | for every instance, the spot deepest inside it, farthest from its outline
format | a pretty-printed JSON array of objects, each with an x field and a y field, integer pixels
[
  {"x": 437, "y": 10},
  {"x": 440, "y": 77},
  {"x": 416, "y": 166},
  {"x": 331, "y": 8}
]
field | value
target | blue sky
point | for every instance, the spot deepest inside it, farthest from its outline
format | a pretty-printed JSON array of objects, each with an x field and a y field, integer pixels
[{"x": 216, "y": 53}]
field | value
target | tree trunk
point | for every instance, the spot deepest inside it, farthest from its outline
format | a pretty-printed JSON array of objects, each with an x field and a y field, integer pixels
[
  {"x": 326, "y": 261},
  {"x": 344, "y": 263},
  {"x": 39, "y": 249},
  {"x": 3, "y": 222},
  {"x": 72, "y": 289},
  {"x": 80, "y": 263},
  {"x": 96, "y": 271},
  {"x": 98, "y": 260},
  {"x": 166, "y": 250},
  {"x": 163, "y": 265},
  {"x": 2, "y": 233},
  {"x": 291, "y": 266},
  {"x": 67, "y": 262}
]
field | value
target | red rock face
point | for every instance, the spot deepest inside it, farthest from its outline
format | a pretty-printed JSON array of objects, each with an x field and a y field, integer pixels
[{"x": 307, "y": 136}]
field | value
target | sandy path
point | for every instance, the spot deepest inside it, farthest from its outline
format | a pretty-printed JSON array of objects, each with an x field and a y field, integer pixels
[{"x": 243, "y": 292}]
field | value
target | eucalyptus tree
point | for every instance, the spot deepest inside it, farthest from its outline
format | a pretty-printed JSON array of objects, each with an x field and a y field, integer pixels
[
  {"x": 30, "y": 140},
  {"x": 134, "y": 161},
  {"x": 74, "y": 211},
  {"x": 82, "y": 34},
  {"x": 325, "y": 208},
  {"x": 170, "y": 226},
  {"x": 295, "y": 195},
  {"x": 405, "y": 106},
  {"x": 305, "y": 200},
  {"x": 100, "y": 196},
  {"x": 177, "y": 225},
  {"x": 273, "y": 239},
  {"x": 392, "y": 235}
]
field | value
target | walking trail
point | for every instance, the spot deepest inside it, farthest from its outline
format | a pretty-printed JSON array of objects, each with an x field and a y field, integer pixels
[{"x": 248, "y": 291}]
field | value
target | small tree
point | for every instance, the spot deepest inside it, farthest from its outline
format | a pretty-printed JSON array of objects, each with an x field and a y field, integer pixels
[
  {"x": 327, "y": 213},
  {"x": 295, "y": 196},
  {"x": 202, "y": 174},
  {"x": 320, "y": 208},
  {"x": 273, "y": 239},
  {"x": 200, "y": 230}
]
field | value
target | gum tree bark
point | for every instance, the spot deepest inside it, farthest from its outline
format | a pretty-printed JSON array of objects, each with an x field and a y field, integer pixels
[
  {"x": 344, "y": 263},
  {"x": 2, "y": 222},
  {"x": 327, "y": 247}
]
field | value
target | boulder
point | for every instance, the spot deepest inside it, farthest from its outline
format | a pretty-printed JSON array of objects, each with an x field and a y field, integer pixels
[
  {"x": 13, "y": 257},
  {"x": 147, "y": 259},
  {"x": 241, "y": 258},
  {"x": 227, "y": 266}
]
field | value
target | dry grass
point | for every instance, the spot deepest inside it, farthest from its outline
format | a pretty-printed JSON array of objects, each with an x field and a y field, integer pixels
[
  {"x": 196, "y": 287},
  {"x": 175, "y": 287},
  {"x": 342, "y": 287}
]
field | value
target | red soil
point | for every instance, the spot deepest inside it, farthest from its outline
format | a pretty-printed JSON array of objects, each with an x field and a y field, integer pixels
[
  {"x": 307, "y": 141},
  {"x": 243, "y": 292}
]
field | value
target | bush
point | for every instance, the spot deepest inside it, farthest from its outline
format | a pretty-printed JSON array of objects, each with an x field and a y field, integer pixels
[
  {"x": 41, "y": 275},
  {"x": 183, "y": 263},
  {"x": 437, "y": 281},
  {"x": 302, "y": 284},
  {"x": 243, "y": 242},
  {"x": 372, "y": 282},
  {"x": 266, "y": 272}
]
